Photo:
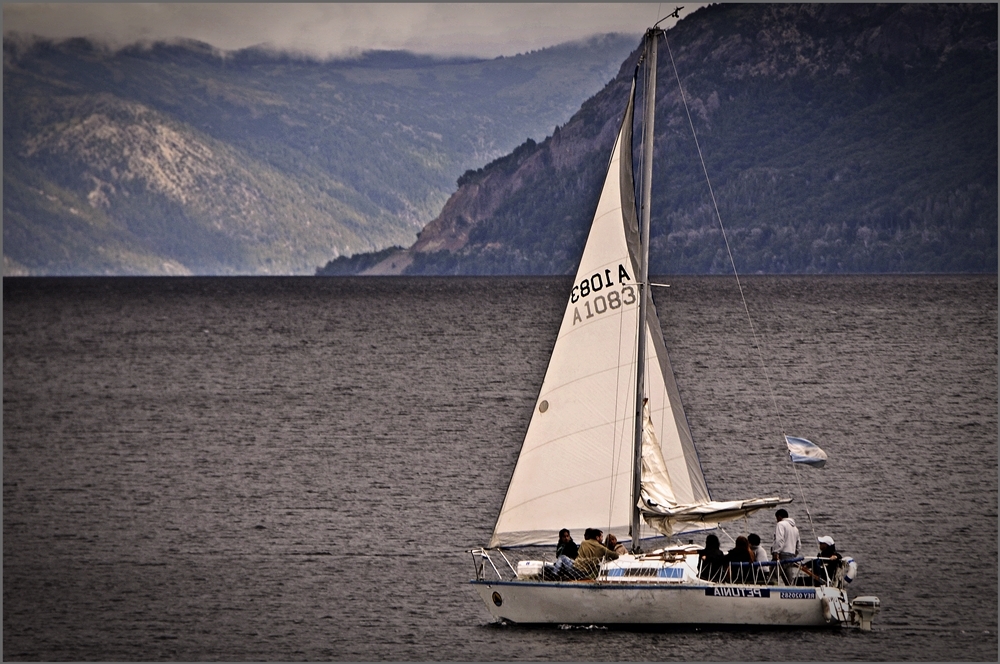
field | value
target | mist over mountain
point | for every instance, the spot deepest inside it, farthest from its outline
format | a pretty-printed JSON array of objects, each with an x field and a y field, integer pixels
[
  {"x": 182, "y": 159},
  {"x": 838, "y": 138}
]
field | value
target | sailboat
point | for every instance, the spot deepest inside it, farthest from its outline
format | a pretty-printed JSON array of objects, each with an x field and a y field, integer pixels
[{"x": 608, "y": 442}]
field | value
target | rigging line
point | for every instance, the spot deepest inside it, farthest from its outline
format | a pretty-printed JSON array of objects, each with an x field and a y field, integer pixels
[
  {"x": 625, "y": 430},
  {"x": 725, "y": 238},
  {"x": 639, "y": 285},
  {"x": 732, "y": 261},
  {"x": 642, "y": 149},
  {"x": 658, "y": 8},
  {"x": 812, "y": 526}
]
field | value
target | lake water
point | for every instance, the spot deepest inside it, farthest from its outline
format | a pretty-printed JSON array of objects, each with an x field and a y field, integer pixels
[{"x": 294, "y": 468}]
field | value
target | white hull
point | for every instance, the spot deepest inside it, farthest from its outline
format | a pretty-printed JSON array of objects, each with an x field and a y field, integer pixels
[{"x": 589, "y": 603}]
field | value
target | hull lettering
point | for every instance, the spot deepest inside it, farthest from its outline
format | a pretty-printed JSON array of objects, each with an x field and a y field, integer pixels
[{"x": 723, "y": 591}]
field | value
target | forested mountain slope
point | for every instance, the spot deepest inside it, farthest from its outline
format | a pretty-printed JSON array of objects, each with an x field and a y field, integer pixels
[
  {"x": 838, "y": 137},
  {"x": 181, "y": 159}
]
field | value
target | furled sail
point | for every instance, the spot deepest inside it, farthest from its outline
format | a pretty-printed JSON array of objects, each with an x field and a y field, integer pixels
[{"x": 663, "y": 510}]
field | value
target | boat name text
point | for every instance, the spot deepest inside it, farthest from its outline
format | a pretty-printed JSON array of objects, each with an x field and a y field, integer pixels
[{"x": 737, "y": 592}]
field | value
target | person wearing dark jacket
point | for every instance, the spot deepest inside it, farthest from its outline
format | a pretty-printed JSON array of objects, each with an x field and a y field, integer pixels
[
  {"x": 566, "y": 546},
  {"x": 828, "y": 550},
  {"x": 741, "y": 553},
  {"x": 711, "y": 560},
  {"x": 566, "y": 552}
]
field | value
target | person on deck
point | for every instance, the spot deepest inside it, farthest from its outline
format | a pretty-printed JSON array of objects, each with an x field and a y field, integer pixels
[
  {"x": 826, "y": 569},
  {"x": 611, "y": 542},
  {"x": 711, "y": 560},
  {"x": 760, "y": 555},
  {"x": 566, "y": 552},
  {"x": 786, "y": 544},
  {"x": 741, "y": 553},
  {"x": 591, "y": 553},
  {"x": 759, "y": 552}
]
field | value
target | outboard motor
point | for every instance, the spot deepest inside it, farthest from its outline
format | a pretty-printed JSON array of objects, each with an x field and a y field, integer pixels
[{"x": 863, "y": 609}]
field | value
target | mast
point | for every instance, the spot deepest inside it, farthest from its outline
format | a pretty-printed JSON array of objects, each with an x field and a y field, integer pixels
[{"x": 649, "y": 105}]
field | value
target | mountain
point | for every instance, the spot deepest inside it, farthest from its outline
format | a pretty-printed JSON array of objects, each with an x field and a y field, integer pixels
[
  {"x": 838, "y": 138},
  {"x": 182, "y": 159}
]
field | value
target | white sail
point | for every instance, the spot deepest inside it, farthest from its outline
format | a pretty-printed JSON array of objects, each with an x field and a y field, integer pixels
[
  {"x": 575, "y": 465},
  {"x": 574, "y": 469}
]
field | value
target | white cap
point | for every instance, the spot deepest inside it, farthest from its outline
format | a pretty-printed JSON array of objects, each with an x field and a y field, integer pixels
[{"x": 826, "y": 539}]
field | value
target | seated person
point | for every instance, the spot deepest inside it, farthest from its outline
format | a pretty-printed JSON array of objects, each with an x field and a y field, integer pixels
[
  {"x": 760, "y": 554},
  {"x": 826, "y": 570},
  {"x": 591, "y": 553},
  {"x": 611, "y": 542},
  {"x": 566, "y": 552},
  {"x": 741, "y": 553},
  {"x": 711, "y": 560}
]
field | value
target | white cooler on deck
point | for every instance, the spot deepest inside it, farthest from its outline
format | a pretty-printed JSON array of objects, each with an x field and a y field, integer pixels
[{"x": 530, "y": 569}]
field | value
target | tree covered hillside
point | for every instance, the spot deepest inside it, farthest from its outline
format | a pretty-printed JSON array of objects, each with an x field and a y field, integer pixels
[
  {"x": 838, "y": 138},
  {"x": 181, "y": 159}
]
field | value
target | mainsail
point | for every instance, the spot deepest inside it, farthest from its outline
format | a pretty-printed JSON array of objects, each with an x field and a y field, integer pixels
[{"x": 575, "y": 465}]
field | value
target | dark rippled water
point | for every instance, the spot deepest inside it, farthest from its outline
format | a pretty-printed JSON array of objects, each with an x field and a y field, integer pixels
[{"x": 293, "y": 469}]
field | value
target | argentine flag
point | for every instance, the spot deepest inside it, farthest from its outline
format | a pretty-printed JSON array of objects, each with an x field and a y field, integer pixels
[{"x": 801, "y": 450}]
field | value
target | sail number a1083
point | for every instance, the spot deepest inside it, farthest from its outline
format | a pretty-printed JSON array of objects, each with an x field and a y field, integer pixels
[{"x": 606, "y": 294}]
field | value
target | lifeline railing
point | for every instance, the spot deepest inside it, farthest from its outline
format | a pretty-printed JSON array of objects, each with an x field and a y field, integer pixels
[
  {"x": 480, "y": 558},
  {"x": 799, "y": 571}
]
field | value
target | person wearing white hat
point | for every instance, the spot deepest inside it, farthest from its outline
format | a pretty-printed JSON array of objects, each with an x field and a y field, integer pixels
[{"x": 827, "y": 551}]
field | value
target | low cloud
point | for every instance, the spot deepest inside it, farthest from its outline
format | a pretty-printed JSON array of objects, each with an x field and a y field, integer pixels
[{"x": 330, "y": 29}]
